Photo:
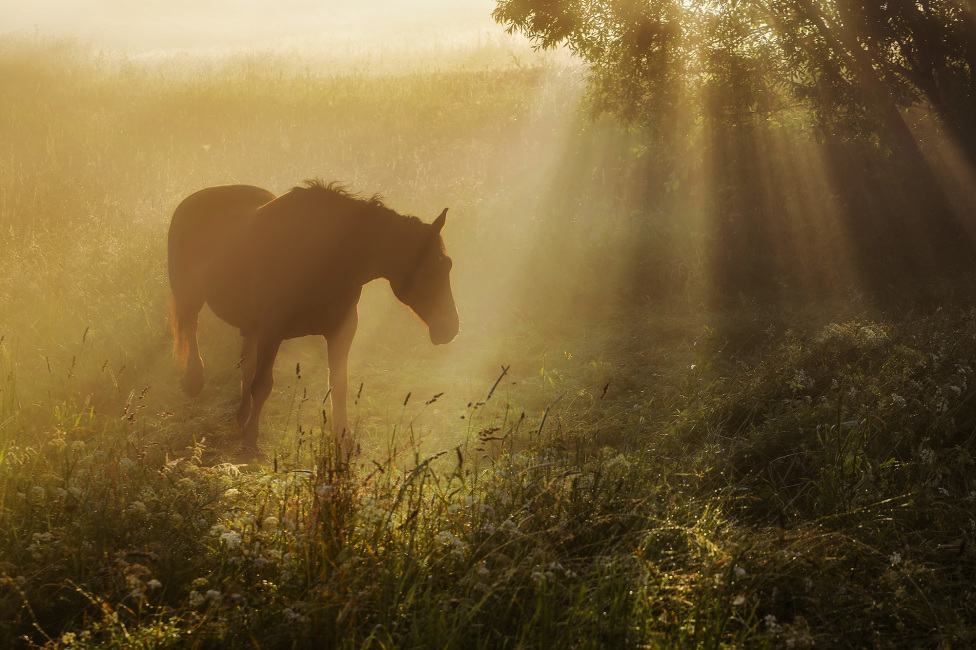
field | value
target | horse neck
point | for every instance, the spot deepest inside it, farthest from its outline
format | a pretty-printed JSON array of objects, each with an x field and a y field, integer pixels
[{"x": 388, "y": 244}]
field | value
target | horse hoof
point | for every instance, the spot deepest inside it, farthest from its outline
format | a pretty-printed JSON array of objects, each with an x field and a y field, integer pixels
[
  {"x": 192, "y": 385},
  {"x": 247, "y": 452}
]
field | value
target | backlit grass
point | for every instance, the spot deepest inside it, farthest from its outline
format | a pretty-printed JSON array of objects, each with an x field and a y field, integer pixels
[{"x": 642, "y": 473}]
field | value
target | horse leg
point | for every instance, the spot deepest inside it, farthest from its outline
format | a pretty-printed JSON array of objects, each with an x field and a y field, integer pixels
[
  {"x": 248, "y": 365},
  {"x": 339, "y": 344},
  {"x": 261, "y": 384},
  {"x": 186, "y": 309}
]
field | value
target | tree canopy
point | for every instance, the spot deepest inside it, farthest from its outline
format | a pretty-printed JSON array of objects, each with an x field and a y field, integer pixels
[{"x": 853, "y": 63}]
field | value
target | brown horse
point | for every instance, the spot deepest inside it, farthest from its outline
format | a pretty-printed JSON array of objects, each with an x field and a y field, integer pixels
[{"x": 280, "y": 268}]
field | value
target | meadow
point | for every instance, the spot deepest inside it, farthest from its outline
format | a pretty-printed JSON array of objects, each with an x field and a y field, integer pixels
[{"x": 609, "y": 455}]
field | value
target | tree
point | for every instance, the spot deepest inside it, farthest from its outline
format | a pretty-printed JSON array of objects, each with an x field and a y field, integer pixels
[
  {"x": 854, "y": 63},
  {"x": 730, "y": 79}
]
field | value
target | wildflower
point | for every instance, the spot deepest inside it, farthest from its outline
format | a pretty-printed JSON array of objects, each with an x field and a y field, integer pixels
[
  {"x": 232, "y": 539},
  {"x": 37, "y": 492},
  {"x": 270, "y": 522},
  {"x": 213, "y": 594},
  {"x": 926, "y": 456},
  {"x": 898, "y": 400},
  {"x": 956, "y": 390},
  {"x": 75, "y": 492},
  {"x": 453, "y": 508},
  {"x": 739, "y": 601},
  {"x": 154, "y": 584},
  {"x": 895, "y": 558},
  {"x": 482, "y": 587},
  {"x": 231, "y": 493},
  {"x": 771, "y": 623},
  {"x": 126, "y": 463},
  {"x": 445, "y": 537},
  {"x": 739, "y": 572},
  {"x": 196, "y": 598},
  {"x": 509, "y": 526},
  {"x": 618, "y": 463}
]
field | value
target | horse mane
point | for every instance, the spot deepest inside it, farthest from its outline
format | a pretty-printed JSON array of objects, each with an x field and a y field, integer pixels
[{"x": 316, "y": 188}]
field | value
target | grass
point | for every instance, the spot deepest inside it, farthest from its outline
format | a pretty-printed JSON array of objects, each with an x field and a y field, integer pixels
[{"x": 644, "y": 473}]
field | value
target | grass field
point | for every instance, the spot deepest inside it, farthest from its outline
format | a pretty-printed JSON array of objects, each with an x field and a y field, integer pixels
[{"x": 649, "y": 470}]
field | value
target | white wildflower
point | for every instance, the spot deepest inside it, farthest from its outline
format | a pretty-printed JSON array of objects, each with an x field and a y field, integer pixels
[
  {"x": 926, "y": 456},
  {"x": 232, "y": 539},
  {"x": 445, "y": 537}
]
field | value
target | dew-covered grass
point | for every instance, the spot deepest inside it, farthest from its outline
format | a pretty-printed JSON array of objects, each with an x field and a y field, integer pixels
[{"x": 624, "y": 473}]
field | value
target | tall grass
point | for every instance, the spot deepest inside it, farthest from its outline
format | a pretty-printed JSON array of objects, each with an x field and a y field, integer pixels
[{"x": 649, "y": 474}]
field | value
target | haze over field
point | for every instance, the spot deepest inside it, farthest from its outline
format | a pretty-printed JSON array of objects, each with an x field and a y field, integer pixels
[
  {"x": 294, "y": 25},
  {"x": 714, "y": 382}
]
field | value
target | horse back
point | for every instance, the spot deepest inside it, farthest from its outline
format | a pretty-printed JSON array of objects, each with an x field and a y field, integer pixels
[{"x": 207, "y": 247}]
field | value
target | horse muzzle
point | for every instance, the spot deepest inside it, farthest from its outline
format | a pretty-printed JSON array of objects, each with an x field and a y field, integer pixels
[{"x": 444, "y": 334}]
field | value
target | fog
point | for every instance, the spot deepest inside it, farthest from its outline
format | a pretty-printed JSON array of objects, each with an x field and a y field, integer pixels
[{"x": 213, "y": 25}]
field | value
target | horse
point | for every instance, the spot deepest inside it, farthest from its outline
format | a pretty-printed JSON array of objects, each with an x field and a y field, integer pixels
[{"x": 278, "y": 268}]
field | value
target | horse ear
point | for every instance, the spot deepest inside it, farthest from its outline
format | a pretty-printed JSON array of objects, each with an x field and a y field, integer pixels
[{"x": 439, "y": 221}]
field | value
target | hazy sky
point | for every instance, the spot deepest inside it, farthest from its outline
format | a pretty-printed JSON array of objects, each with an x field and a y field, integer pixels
[{"x": 195, "y": 24}]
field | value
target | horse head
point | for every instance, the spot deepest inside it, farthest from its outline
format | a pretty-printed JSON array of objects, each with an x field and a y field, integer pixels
[{"x": 425, "y": 285}]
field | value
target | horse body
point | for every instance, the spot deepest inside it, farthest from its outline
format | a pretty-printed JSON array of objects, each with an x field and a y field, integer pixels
[{"x": 280, "y": 268}]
